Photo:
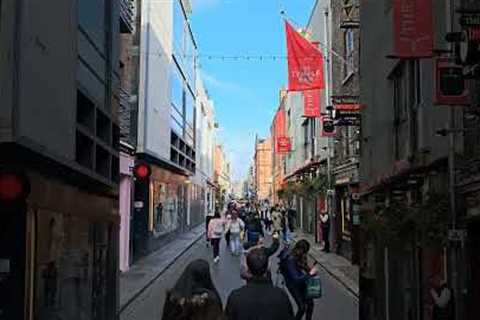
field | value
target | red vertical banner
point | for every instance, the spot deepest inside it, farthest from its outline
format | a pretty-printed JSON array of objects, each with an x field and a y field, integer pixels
[
  {"x": 282, "y": 141},
  {"x": 311, "y": 101},
  {"x": 413, "y": 28},
  {"x": 305, "y": 62}
]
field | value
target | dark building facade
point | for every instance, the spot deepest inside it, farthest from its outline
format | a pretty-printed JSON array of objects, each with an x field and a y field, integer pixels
[
  {"x": 58, "y": 126},
  {"x": 413, "y": 179}
]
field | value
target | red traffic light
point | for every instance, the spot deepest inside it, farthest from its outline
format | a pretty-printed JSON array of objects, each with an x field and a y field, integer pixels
[
  {"x": 13, "y": 187},
  {"x": 142, "y": 171}
]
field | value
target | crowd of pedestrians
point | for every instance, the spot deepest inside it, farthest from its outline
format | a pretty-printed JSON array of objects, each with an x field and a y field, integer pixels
[{"x": 244, "y": 228}]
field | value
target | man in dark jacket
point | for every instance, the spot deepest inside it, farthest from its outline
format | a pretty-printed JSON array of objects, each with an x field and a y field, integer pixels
[
  {"x": 245, "y": 273},
  {"x": 259, "y": 299}
]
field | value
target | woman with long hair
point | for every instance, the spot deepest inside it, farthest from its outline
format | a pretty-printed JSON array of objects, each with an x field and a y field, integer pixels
[
  {"x": 296, "y": 272},
  {"x": 194, "y": 296},
  {"x": 216, "y": 229}
]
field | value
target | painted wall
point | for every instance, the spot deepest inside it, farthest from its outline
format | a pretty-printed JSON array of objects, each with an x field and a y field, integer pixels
[{"x": 125, "y": 188}]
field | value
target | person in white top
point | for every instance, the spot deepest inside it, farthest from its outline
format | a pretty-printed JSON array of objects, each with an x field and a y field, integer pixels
[
  {"x": 236, "y": 226},
  {"x": 442, "y": 299},
  {"x": 325, "y": 230}
]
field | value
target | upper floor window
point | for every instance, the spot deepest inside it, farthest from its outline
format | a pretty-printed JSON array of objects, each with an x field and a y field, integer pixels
[{"x": 349, "y": 53}]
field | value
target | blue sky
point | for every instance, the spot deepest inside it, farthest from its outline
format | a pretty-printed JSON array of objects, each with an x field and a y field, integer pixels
[{"x": 245, "y": 92}]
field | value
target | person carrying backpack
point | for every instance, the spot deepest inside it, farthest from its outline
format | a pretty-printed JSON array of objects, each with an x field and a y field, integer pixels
[
  {"x": 216, "y": 228},
  {"x": 235, "y": 227},
  {"x": 296, "y": 272}
]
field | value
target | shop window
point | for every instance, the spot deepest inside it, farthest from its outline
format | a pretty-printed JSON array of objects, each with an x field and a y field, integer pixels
[
  {"x": 71, "y": 267},
  {"x": 165, "y": 208}
]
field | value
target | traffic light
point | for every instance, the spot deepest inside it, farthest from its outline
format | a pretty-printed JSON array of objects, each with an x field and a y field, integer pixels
[
  {"x": 142, "y": 171},
  {"x": 14, "y": 189}
]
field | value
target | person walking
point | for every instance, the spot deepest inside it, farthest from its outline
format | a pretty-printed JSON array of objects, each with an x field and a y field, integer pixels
[
  {"x": 194, "y": 296},
  {"x": 245, "y": 273},
  {"x": 235, "y": 227},
  {"x": 259, "y": 298},
  {"x": 277, "y": 219},
  {"x": 325, "y": 231},
  {"x": 208, "y": 218},
  {"x": 216, "y": 228},
  {"x": 292, "y": 217},
  {"x": 296, "y": 272},
  {"x": 227, "y": 231},
  {"x": 443, "y": 307},
  {"x": 254, "y": 228}
]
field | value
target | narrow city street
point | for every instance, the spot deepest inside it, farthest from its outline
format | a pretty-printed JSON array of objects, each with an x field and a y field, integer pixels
[{"x": 337, "y": 303}]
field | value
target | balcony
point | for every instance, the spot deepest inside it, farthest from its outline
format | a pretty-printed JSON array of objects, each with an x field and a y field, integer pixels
[{"x": 127, "y": 14}]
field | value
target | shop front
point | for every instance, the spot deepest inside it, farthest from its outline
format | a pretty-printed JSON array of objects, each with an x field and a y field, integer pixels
[
  {"x": 161, "y": 210},
  {"x": 346, "y": 186},
  {"x": 62, "y": 249}
]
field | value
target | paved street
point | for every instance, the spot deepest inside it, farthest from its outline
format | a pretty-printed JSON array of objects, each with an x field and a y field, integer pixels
[{"x": 337, "y": 303}]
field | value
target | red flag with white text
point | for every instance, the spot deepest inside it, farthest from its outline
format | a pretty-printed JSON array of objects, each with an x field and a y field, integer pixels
[
  {"x": 413, "y": 28},
  {"x": 305, "y": 62},
  {"x": 311, "y": 101},
  {"x": 282, "y": 141}
]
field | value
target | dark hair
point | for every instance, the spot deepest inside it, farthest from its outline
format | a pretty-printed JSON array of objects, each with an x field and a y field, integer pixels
[
  {"x": 217, "y": 213},
  {"x": 299, "y": 253},
  {"x": 194, "y": 296},
  {"x": 257, "y": 262}
]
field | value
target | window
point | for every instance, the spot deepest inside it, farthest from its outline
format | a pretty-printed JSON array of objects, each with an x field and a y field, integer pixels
[
  {"x": 176, "y": 89},
  {"x": 349, "y": 53},
  {"x": 165, "y": 217}
]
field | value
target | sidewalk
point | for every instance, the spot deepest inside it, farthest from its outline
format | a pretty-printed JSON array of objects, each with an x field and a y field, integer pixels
[
  {"x": 147, "y": 270},
  {"x": 337, "y": 266}
]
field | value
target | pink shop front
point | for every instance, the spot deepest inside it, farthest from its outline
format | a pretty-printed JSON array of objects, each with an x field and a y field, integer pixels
[{"x": 126, "y": 186}]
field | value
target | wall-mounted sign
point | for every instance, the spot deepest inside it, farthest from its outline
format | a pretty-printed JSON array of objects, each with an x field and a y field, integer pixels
[
  {"x": 413, "y": 28},
  {"x": 451, "y": 88}
]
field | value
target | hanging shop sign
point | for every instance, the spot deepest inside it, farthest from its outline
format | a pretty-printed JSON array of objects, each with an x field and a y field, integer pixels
[
  {"x": 311, "y": 101},
  {"x": 451, "y": 87},
  {"x": 282, "y": 141},
  {"x": 468, "y": 42},
  {"x": 284, "y": 145},
  {"x": 349, "y": 107},
  {"x": 328, "y": 127},
  {"x": 413, "y": 29}
]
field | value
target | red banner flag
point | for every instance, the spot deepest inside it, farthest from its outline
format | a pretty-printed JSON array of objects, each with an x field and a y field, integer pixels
[
  {"x": 282, "y": 141},
  {"x": 311, "y": 100},
  {"x": 284, "y": 145},
  {"x": 413, "y": 21},
  {"x": 305, "y": 62}
]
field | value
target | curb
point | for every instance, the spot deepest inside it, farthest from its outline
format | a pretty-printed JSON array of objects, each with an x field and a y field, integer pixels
[
  {"x": 336, "y": 277},
  {"x": 159, "y": 274}
]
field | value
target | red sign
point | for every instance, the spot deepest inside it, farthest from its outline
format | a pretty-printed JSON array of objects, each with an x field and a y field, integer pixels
[
  {"x": 348, "y": 107},
  {"x": 284, "y": 145},
  {"x": 282, "y": 141},
  {"x": 413, "y": 21},
  {"x": 311, "y": 99},
  {"x": 305, "y": 62}
]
